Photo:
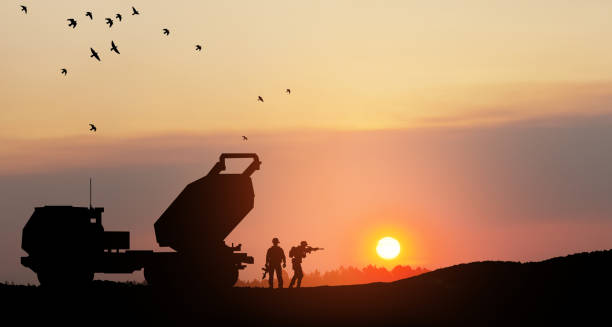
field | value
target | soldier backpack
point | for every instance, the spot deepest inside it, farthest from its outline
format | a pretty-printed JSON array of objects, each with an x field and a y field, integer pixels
[{"x": 293, "y": 252}]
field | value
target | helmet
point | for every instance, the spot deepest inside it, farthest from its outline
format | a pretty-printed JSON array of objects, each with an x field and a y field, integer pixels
[
  {"x": 303, "y": 243},
  {"x": 275, "y": 240}
]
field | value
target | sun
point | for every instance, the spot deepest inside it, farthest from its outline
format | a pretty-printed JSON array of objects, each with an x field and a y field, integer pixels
[{"x": 388, "y": 248}]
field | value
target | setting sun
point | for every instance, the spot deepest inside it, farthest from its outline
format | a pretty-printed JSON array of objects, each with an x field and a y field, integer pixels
[{"x": 388, "y": 248}]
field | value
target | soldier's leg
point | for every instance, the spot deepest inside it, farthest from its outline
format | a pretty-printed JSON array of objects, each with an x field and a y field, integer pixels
[
  {"x": 271, "y": 277},
  {"x": 279, "y": 276},
  {"x": 294, "y": 278},
  {"x": 300, "y": 274}
]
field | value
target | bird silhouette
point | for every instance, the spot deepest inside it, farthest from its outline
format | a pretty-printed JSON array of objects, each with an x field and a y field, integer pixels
[
  {"x": 114, "y": 47},
  {"x": 72, "y": 23},
  {"x": 94, "y": 54},
  {"x": 89, "y": 14},
  {"x": 119, "y": 17},
  {"x": 64, "y": 71},
  {"x": 244, "y": 138},
  {"x": 109, "y": 22},
  {"x": 24, "y": 9},
  {"x": 198, "y": 47},
  {"x": 288, "y": 91},
  {"x": 259, "y": 98},
  {"x": 134, "y": 11},
  {"x": 92, "y": 127},
  {"x": 166, "y": 31}
]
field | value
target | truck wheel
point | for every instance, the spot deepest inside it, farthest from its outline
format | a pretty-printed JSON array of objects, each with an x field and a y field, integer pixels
[
  {"x": 149, "y": 276},
  {"x": 225, "y": 278},
  {"x": 46, "y": 279},
  {"x": 50, "y": 278},
  {"x": 232, "y": 278},
  {"x": 157, "y": 276}
]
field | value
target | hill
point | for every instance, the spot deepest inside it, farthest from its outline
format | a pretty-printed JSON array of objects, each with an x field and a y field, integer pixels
[{"x": 559, "y": 290}]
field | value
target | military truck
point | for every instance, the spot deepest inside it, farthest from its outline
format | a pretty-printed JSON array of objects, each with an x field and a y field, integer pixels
[{"x": 66, "y": 245}]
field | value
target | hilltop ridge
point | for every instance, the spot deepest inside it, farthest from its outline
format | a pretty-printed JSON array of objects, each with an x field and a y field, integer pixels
[{"x": 574, "y": 287}]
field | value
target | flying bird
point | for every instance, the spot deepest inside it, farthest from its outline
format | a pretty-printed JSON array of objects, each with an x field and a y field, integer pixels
[
  {"x": 89, "y": 14},
  {"x": 94, "y": 54},
  {"x": 244, "y": 138},
  {"x": 198, "y": 47},
  {"x": 24, "y": 9},
  {"x": 64, "y": 71},
  {"x": 166, "y": 31},
  {"x": 288, "y": 91},
  {"x": 259, "y": 98},
  {"x": 92, "y": 127},
  {"x": 109, "y": 22},
  {"x": 114, "y": 47},
  {"x": 72, "y": 23},
  {"x": 118, "y": 16},
  {"x": 134, "y": 11}
]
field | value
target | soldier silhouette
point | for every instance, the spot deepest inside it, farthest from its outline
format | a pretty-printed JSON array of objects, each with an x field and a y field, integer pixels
[
  {"x": 296, "y": 254},
  {"x": 274, "y": 257}
]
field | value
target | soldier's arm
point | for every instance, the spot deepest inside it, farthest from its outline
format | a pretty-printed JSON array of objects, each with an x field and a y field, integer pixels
[
  {"x": 268, "y": 256},
  {"x": 284, "y": 258}
]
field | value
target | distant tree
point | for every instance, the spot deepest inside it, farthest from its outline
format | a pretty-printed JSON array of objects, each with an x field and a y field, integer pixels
[{"x": 346, "y": 276}]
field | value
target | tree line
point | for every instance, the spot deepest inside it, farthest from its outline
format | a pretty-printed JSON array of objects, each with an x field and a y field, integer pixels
[{"x": 345, "y": 276}]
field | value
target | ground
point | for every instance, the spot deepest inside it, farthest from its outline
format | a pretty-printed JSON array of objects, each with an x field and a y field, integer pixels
[{"x": 573, "y": 288}]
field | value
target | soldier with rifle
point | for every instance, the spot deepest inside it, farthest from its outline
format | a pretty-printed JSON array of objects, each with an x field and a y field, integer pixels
[
  {"x": 297, "y": 253},
  {"x": 274, "y": 257}
]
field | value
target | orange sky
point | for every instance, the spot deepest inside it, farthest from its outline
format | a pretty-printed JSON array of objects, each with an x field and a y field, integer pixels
[
  {"x": 521, "y": 191},
  {"x": 468, "y": 131},
  {"x": 351, "y": 64}
]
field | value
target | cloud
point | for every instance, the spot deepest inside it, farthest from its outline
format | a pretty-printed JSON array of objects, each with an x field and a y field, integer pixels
[
  {"x": 480, "y": 115},
  {"x": 503, "y": 104}
]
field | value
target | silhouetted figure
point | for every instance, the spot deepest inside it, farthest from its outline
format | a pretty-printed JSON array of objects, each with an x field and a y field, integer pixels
[
  {"x": 64, "y": 71},
  {"x": 72, "y": 23},
  {"x": 89, "y": 14},
  {"x": 166, "y": 31},
  {"x": 118, "y": 16},
  {"x": 109, "y": 22},
  {"x": 114, "y": 47},
  {"x": 24, "y": 9},
  {"x": 134, "y": 11},
  {"x": 244, "y": 138},
  {"x": 92, "y": 127},
  {"x": 198, "y": 47},
  {"x": 297, "y": 253},
  {"x": 260, "y": 99},
  {"x": 94, "y": 54},
  {"x": 274, "y": 257}
]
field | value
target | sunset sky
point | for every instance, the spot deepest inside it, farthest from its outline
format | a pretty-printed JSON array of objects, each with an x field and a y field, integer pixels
[{"x": 468, "y": 130}]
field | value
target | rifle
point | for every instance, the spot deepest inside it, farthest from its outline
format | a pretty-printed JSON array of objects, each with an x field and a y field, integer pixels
[
  {"x": 311, "y": 249},
  {"x": 266, "y": 270}
]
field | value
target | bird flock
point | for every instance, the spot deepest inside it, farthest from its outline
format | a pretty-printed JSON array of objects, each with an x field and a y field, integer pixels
[{"x": 72, "y": 22}]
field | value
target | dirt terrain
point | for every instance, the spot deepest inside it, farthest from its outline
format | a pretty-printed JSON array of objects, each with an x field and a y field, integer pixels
[{"x": 572, "y": 288}]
